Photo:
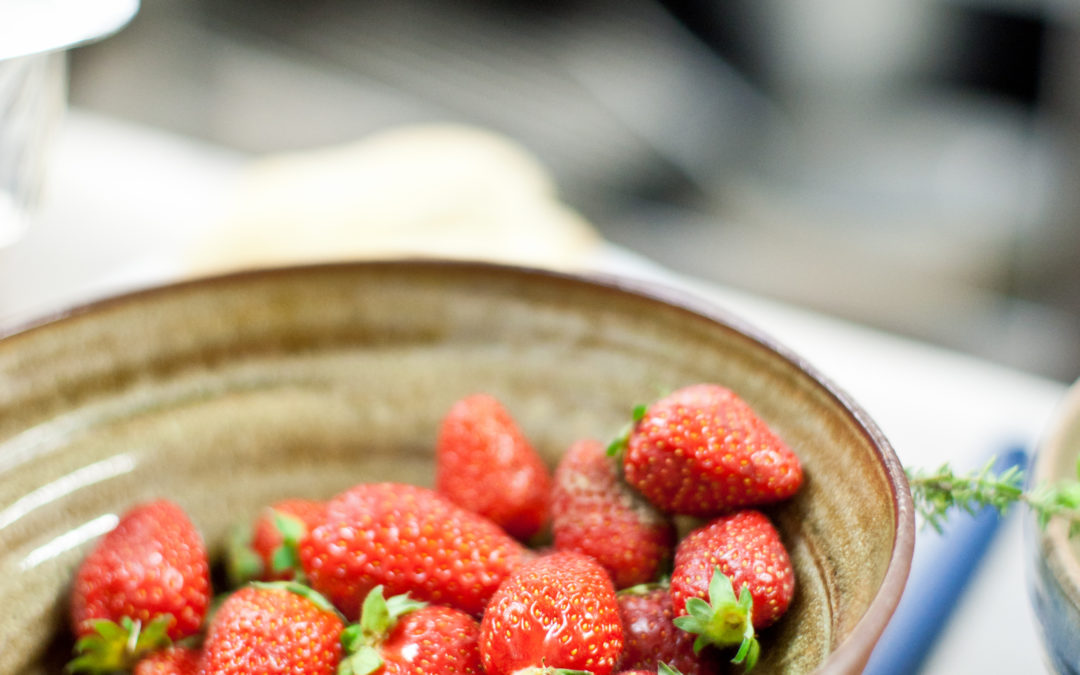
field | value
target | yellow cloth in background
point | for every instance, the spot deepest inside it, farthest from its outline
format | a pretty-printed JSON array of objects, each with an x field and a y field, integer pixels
[{"x": 444, "y": 191}]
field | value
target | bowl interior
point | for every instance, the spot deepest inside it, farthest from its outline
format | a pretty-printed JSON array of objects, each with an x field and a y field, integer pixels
[{"x": 227, "y": 394}]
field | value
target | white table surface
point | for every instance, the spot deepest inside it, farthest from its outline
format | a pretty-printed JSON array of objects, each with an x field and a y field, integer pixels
[{"x": 123, "y": 200}]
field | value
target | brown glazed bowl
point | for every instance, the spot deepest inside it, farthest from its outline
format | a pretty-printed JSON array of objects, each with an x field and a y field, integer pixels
[{"x": 225, "y": 394}]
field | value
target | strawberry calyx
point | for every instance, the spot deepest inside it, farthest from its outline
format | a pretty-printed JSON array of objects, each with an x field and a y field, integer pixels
[
  {"x": 113, "y": 646},
  {"x": 242, "y": 563},
  {"x": 300, "y": 589},
  {"x": 378, "y": 616},
  {"x": 664, "y": 669},
  {"x": 286, "y": 557},
  {"x": 615, "y": 448},
  {"x": 723, "y": 621}
]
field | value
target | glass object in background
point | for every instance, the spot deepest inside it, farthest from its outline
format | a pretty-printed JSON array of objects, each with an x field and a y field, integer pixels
[
  {"x": 32, "y": 99},
  {"x": 34, "y": 37}
]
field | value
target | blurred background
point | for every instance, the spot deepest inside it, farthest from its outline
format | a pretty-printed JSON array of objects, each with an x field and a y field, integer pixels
[{"x": 907, "y": 164}]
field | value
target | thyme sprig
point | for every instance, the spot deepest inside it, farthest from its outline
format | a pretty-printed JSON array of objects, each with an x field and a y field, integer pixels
[{"x": 940, "y": 491}]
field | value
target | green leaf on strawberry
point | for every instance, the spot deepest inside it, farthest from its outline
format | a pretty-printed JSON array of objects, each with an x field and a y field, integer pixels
[
  {"x": 268, "y": 549},
  {"x": 361, "y": 659},
  {"x": 378, "y": 616},
  {"x": 242, "y": 563},
  {"x": 300, "y": 589},
  {"x": 118, "y": 646},
  {"x": 287, "y": 556},
  {"x": 616, "y": 446},
  {"x": 723, "y": 621}
]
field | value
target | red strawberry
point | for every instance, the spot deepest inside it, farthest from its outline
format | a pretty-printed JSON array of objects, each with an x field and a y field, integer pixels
[
  {"x": 662, "y": 669},
  {"x": 557, "y": 611},
  {"x": 270, "y": 550},
  {"x": 485, "y": 464},
  {"x": 650, "y": 637},
  {"x": 400, "y": 636},
  {"x": 702, "y": 450},
  {"x": 594, "y": 512},
  {"x": 170, "y": 661},
  {"x": 281, "y": 628},
  {"x": 145, "y": 583},
  {"x": 742, "y": 550},
  {"x": 410, "y": 540}
]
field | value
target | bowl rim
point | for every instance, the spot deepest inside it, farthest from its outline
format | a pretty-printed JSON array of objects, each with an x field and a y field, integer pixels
[{"x": 852, "y": 653}]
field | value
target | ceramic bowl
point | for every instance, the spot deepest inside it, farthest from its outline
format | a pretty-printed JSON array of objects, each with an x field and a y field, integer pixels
[
  {"x": 1054, "y": 560},
  {"x": 227, "y": 393}
]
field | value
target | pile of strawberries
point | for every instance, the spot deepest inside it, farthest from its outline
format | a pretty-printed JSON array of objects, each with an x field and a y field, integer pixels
[{"x": 505, "y": 568}]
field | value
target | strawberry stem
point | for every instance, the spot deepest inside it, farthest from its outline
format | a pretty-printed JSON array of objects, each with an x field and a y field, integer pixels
[{"x": 724, "y": 621}]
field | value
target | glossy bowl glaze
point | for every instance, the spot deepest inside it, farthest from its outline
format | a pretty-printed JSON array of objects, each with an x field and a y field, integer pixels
[
  {"x": 1054, "y": 558},
  {"x": 228, "y": 393}
]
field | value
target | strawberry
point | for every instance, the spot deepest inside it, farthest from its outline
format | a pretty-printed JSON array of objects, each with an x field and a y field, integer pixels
[
  {"x": 650, "y": 637},
  {"x": 170, "y": 661},
  {"x": 485, "y": 464},
  {"x": 661, "y": 669},
  {"x": 146, "y": 583},
  {"x": 270, "y": 550},
  {"x": 280, "y": 628},
  {"x": 594, "y": 512},
  {"x": 400, "y": 636},
  {"x": 410, "y": 540},
  {"x": 742, "y": 550},
  {"x": 703, "y": 451},
  {"x": 556, "y": 611}
]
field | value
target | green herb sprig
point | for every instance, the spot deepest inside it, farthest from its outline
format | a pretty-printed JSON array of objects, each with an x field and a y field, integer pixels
[{"x": 940, "y": 491}]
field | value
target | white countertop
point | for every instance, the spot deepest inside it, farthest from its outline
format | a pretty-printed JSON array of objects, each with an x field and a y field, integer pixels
[{"x": 124, "y": 201}]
